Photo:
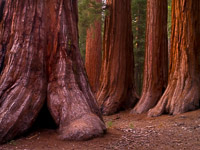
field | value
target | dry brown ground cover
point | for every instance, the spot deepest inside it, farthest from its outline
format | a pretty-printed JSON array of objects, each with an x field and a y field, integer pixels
[{"x": 125, "y": 131}]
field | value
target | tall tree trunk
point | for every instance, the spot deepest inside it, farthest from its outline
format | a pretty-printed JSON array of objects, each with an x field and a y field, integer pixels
[
  {"x": 23, "y": 81},
  {"x": 70, "y": 99},
  {"x": 156, "y": 57},
  {"x": 43, "y": 61},
  {"x": 93, "y": 56},
  {"x": 182, "y": 93},
  {"x": 117, "y": 89}
]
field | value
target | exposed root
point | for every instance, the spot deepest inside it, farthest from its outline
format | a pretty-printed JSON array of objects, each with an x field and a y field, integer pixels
[
  {"x": 177, "y": 99},
  {"x": 87, "y": 127}
]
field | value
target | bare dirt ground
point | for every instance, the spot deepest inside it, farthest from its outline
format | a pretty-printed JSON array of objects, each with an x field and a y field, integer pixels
[{"x": 125, "y": 131}]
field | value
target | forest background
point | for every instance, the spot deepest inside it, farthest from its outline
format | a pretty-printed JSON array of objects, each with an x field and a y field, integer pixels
[{"x": 90, "y": 11}]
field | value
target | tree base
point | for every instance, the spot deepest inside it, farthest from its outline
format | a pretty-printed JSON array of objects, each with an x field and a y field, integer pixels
[
  {"x": 177, "y": 99},
  {"x": 146, "y": 102},
  {"x": 87, "y": 127}
]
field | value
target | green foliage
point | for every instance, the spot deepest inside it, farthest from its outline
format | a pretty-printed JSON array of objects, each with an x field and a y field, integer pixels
[
  {"x": 169, "y": 18},
  {"x": 12, "y": 142},
  {"x": 88, "y": 11},
  {"x": 109, "y": 124},
  {"x": 139, "y": 27},
  {"x": 131, "y": 125}
]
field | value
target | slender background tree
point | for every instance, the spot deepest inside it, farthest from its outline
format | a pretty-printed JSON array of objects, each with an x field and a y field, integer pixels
[{"x": 89, "y": 11}]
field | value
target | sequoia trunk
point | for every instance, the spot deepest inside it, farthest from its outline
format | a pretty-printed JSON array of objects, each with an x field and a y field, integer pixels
[
  {"x": 156, "y": 57},
  {"x": 117, "y": 89},
  {"x": 93, "y": 56},
  {"x": 70, "y": 100},
  {"x": 182, "y": 93},
  {"x": 23, "y": 81},
  {"x": 42, "y": 60}
]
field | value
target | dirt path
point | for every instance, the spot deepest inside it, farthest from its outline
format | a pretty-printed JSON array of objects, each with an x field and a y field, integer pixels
[{"x": 125, "y": 131}]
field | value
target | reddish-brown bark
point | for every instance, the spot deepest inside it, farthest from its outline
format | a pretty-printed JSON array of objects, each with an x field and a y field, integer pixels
[
  {"x": 43, "y": 61},
  {"x": 156, "y": 56},
  {"x": 117, "y": 89},
  {"x": 23, "y": 80},
  {"x": 93, "y": 56},
  {"x": 182, "y": 93},
  {"x": 70, "y": 99}
]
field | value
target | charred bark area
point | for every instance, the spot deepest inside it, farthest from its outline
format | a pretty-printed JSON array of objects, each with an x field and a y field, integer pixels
[
  {"x": 117, "y": 89},
  {"x": 43, "y": 61},
  {"x": 182, "y": 93},
  {"x": 156, "y": 56},
  {"x": 2, "y": 57}
]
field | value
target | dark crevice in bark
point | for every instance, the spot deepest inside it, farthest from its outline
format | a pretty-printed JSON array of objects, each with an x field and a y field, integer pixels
[
  {"x": 2, "y": 4},
  {"x": 44, "y": 120},
  {"x": 2, "y": 58}
]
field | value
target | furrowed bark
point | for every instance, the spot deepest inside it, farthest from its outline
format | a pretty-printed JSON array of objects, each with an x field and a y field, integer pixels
[
  {"x": 156, "y": 57},
  {"x": 182, "y": 93},
  {"x": 43, "y": 61},
  {"x": 117, "y": 89},
  {"x": 93, "y": 55},
  {"x": 22, "y": 37},
  {"x": 70, "y": 99}
]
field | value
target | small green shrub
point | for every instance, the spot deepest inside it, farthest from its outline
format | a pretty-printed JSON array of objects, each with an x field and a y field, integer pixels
[
  {"x": 109, "y": 124},
  {"x": 131, "y": 125}
]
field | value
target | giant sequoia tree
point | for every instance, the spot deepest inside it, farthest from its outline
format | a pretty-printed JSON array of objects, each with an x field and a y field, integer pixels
[
  {"x": 182, "y": 93},
  {"x": 117, "y": 88},
  {"x": 156, "y": 56},
  {"x": 40, "y": 58},
  {"x": 93, "y": 56}
]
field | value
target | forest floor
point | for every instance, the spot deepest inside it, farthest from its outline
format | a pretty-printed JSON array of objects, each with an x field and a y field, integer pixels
[{"x": 125, "y": 131}]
